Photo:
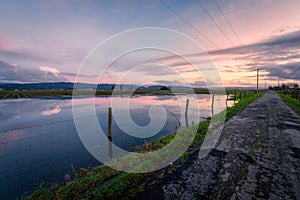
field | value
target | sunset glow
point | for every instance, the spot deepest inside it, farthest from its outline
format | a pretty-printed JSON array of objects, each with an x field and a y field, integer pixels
[{"x": 47, "y": 41}]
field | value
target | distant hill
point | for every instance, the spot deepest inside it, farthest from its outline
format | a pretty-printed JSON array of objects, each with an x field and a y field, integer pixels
[
  {"x": 87, "y": 86},
  {"x": 53, "y": 86}
]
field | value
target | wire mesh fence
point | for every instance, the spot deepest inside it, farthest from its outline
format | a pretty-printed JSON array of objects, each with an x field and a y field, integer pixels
[
  {"x": 294, "y": 94},
  {"x": 30, "y": 155},
  {"x": 33, "y": 155}
]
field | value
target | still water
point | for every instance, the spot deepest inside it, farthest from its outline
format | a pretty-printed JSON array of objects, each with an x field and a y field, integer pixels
[{"x": 39, "y": 141}]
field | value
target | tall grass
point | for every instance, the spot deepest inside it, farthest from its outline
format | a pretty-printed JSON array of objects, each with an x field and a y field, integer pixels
[{"x": 292, "y": 102}]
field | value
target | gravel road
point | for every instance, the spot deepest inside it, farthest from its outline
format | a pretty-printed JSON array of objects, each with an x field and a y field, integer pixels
[{"x": 257, "y": 157}]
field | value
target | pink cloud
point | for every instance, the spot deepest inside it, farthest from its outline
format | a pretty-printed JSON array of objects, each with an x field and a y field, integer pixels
[
  {"x": 6, "y": 43},
  {"x": 52, "y": 70}
]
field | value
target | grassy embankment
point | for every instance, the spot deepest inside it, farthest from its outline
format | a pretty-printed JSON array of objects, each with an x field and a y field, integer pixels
[
  {"x": 291, "y": 102},
  {"x": 106, "y": 183}
]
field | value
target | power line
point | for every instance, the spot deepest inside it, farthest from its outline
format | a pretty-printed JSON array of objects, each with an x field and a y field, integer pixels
[
  {"x": 293, "y": 73},
  {"x": 188, "y": 23},
  {"x": 227, "y": 21},
  {"x": 212, "y": 19}
]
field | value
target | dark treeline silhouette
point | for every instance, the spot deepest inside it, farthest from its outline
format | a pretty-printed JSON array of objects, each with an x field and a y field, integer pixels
[{"x": 285, "y": 87}]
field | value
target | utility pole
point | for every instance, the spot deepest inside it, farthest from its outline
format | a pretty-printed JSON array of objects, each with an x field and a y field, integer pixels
[
  {"x": 265, "y": 85},
  {"x": 257, "y": 69}
]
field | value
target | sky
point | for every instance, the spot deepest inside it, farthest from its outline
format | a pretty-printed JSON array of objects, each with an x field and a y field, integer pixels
[{"x": 49, "y": 40}]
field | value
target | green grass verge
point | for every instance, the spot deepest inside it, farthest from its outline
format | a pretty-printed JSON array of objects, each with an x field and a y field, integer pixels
[
  {"x": 125, "y": 184},
  {"x": 291, "y": 102},
  {"x": 79, "y": 186},
  {"x": 92, "y": 185}
]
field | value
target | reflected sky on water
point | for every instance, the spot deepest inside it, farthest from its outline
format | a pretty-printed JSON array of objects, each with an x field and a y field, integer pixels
[{"x": 39, "y": 141}]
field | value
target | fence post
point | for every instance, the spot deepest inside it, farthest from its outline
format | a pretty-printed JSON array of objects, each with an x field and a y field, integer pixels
[
  {"x": 109, "y": 123},
  {"x": 187, "y": 107},
  {"x": 234, "y": 97},
  {"x": 109, "y": 135},
  {"x": 212, "y": 105},
  {"x": 186, "y": 121},
  {"x": 227, "y": 95},
  {"x": 186, "y": 113}
]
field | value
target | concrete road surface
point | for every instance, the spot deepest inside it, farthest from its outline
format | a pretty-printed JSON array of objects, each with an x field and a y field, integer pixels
[{"x": 257, "y": 157}]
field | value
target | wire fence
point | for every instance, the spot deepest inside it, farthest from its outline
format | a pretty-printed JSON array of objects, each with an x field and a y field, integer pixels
[
  {"x": 30, "y": 155},
  {"x": 293, "y": 93},
  {"x": 33, "y": 155}
]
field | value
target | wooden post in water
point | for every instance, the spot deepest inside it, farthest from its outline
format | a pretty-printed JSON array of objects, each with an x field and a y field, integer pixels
[
  {"x": 227, "y": 100},
  {"x": 212, "y": 105},
  {"x": 186, "y": 112},
  {"x": 186, "y": 121},
  {"x": 187, "y": 107},
  {"x": 234, "y": 97},
  {"x": 109, "y": 134}
]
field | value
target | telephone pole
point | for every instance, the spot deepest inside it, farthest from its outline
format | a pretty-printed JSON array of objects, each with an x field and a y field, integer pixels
[{"x": 257, "y": 77}]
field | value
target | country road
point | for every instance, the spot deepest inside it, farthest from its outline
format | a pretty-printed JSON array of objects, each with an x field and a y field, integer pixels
[{"x": 257, "y": 157}]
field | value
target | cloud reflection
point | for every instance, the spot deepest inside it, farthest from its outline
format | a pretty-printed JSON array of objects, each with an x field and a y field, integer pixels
[{"x": 53, "y": 111}]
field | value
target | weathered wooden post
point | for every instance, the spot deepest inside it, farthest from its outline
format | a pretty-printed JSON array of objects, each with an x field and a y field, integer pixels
[
  {"x": 227, "y": 100},
  {"x": 234, "y": 97},
  {"x": 187, "y": 107},
  {"x": 109, "y": 134},
  {"x": 109, "y": 123},
  {"x": 186, "y": 112},
  {"x": 186, "y": 121},
  {"x": 212, "y": 105}
]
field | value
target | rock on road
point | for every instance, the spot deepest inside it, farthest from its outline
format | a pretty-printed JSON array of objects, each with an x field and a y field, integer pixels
[{"x": 256, "y": 157}]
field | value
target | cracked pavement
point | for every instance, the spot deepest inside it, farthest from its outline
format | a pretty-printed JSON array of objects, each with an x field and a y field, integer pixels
[{"x": 256, "y": 157}]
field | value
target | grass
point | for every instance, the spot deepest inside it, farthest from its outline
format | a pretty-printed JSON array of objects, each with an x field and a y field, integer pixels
[
  {"x": 106, "y": 183},
  {"x": 125, "y": 184},
  {"x": 41, "y": 194},
  {"x": 230, "y": 112},
  {"x": 239, "y": 94},
  {"x": 291, "y": 102},
  {"x": 78, "y": 187}
]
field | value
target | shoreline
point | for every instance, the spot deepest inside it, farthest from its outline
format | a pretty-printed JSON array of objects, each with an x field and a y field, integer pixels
[{"x": 69, "y": 94}]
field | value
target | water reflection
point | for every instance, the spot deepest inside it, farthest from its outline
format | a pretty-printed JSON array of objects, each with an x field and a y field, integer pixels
[
  {"x": 53, "y": 111},
  {"x": 39, "y": 142},
  {"x": 19, "y": 110}
]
